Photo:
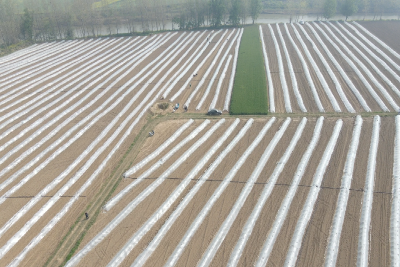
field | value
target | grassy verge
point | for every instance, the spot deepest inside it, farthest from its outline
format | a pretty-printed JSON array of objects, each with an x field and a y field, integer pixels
[
  {"x": 6, "y": 50},
  {"x": 249, "y": 94},
  {"x": 73, "y": 238}
]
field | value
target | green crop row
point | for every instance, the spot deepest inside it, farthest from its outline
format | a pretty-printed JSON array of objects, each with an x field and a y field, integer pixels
[{"x": 249, "y": 94}]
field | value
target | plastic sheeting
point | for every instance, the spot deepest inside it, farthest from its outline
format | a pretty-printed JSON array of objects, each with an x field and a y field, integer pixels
[
  {"x": 356, "y": 70},
  {"x": 186, "y": 66},
  {"x": 22, "y": 77},
  {"x": 394, "y": 53},
  {"x": 372, "y": 54},
  {"x": 65, "y": 209},
  {"x": 12, "y": 241},
  {"x": 217, "y": 193},
  {"x": 40, "y": 97},
  {"x": 353, "y": 88},
  {"x": 219, "y": 85},
  {"x": 209, "y": 68},
  {"x": 365, "y": 218},
  {"x": 159, "y": 149},
  {"x": 306, "y": 72},
  {"x": 308, "y": 207},
  {"x": 112, "y": 202},
  {"x": 338, "y": 87},
  {"x": 198, "y": 67},
  {"x": 216, "y": 71},
  {"x": 395, "y": 212},
  {"x": 291, "y": 72},
  {"x": 280, "y": 217},
  {"x": 268, "y": 71},
  {"x": 69, "y": 169},
  {"x": 59, "y": 127},
  {"x": 369, "y": 74},
  {"x": 27, "y": 107},
  {"x": 23, "y": 53},
  {"x": 321, "y": 78},
  {"x": 227, "y": 224},
  {"x": 54, "y": 50},
  {"x": 25, "y": 87},
  {"x": 341, "y": 206},
  {"x": 233, "y": 73},
  {"x": 286, "y": 96},
  {"x": 143, "y": 195},
  {"x": 157, "y": 215},
  {"x": 142, "y": 258}
]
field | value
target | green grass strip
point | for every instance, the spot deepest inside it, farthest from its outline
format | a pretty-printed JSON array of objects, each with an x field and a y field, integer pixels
[{"x": 249, "y": 94}]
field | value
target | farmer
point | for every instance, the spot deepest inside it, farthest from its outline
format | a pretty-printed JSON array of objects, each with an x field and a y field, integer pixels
[{"x": 87, "y": 215}]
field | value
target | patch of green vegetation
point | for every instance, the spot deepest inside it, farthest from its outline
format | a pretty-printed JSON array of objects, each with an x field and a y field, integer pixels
[
  {"x": 6, "y": 50},
  {"x": 249, "y": 94},
  {"x": 163, "y": 106}
]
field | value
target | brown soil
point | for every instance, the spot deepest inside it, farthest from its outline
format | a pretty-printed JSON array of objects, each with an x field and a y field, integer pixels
[
  {"x": 384, "y": 30},
  {"x": 315, "y": 240},
  {"x": 304, "y": 88}
]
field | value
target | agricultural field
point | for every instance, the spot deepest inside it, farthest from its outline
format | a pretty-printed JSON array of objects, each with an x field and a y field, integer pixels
[
  {"x": 384, "y": 30},
  {"x": 276, "y": 191},
  {"x": 329, "y": 67},
  {"x": 313, "y": 183},
  {"x": 250, "y": 88},
  {"x": 70, "y": 110}
]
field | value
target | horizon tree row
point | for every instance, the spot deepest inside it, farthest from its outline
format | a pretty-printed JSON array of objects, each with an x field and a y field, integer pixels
[{"x": 47, "y": 20}]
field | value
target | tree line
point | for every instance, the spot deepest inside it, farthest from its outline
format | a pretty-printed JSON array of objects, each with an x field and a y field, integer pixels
[{"x": 46, "y": 20}]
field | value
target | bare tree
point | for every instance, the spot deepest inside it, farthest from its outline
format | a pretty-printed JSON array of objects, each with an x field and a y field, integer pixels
[
  {"x": 142, "y": 6},
  {"x": 128, "y": 14}
]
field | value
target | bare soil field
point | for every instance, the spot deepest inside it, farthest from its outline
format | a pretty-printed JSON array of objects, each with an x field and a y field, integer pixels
[
  {"x": 69, "y": 111},
  {"x": 368, "y": 81},
  {"x": 202, "y": 214},
  {"x": 76, "y": 115},
  {"x": 385, "y": 30}
]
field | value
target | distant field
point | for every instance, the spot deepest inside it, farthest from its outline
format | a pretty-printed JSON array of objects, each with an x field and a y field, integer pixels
[
  {"x": 250, "y": 89},
  {"x": 99, "y": 4}
]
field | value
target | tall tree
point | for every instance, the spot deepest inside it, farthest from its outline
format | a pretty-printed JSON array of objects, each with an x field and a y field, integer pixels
[
  {"x": 329, "y": 8},
  {"x": 142, "y": 7},
  {"x": 316, "y": 6},
  {"x": 363, "y": 6},
  {"x": 296, "y": 8},
  {"x": 255, "y": 9},
  {"x": 217, "y": 8},
  {"x": 243, "y": 10},
  {"x": 349, "y": 7},
  {"x": 234, "y": 14},
  {"x": 27, "y": 25},
  {"x": 128, "y": 13}
]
